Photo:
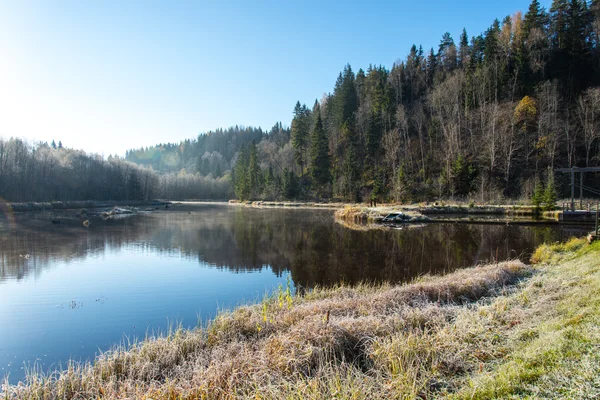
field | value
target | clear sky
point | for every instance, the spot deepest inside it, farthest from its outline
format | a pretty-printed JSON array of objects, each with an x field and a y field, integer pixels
[{"x": 106, "y": 76}]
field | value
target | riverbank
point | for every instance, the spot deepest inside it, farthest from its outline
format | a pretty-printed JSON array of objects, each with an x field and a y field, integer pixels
[
  {"x": 68, "y": 205},
  {"x": 355, "y": 213},
  {"x": 493, "y": 331}
]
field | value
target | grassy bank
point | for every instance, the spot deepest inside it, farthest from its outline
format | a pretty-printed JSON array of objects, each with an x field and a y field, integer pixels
[{"x": 496, "y": 331}]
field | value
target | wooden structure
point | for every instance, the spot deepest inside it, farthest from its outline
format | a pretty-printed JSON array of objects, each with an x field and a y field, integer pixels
[
  {"x": 581, "y": 172},
  {"x": 592, "y": 237}
]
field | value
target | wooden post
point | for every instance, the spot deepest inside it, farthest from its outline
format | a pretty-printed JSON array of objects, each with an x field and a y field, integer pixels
[
  {"x": 597, "y": 220},
  {"x": 581, "y": 190},
  {"x": 572, "y": 189}
]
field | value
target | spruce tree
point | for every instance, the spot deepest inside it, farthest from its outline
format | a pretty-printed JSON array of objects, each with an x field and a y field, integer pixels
[
  {"x": 491, "y": 43},
  {"x": 463, "y": 50},
  {"x": 550, "y": 195},
  {"x": 538, "y": 195},
  {"x": 253, "y": 178},
  {"x": 319, "y": 151},
  {"x": 346, "y": 96},
  {"x": 300, "y": 133},
  {"x": 431, "y": 67},
  {"x": 240, "y": 174},
  {"x": 290, "y": 184},
  {"x": 535, "y": 18}
]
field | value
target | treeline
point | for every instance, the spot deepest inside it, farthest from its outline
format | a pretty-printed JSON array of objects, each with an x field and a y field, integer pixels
[
  {"x": 209, "y": 154},
  {"x": 45, "y": 172},
  {"x": 489, "y": 116}
]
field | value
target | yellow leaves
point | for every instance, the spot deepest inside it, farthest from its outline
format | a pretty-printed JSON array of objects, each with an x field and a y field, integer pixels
[
  {"x": 526, "y": 110},
  {"x": 541, "y": 143},
  {"x": 264, "y": 312}
]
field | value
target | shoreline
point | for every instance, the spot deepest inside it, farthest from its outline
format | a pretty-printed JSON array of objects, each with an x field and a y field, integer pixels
[
  {"x": 78, "y": 204},
  {"x": 490, "y": 331},
  {"x": 355, "y": 216}
]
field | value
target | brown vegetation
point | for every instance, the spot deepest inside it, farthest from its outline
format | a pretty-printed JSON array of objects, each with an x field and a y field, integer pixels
[{"x": 377, "y": 342}]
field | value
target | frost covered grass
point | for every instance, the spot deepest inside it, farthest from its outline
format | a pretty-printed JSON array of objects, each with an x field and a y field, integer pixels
[{"x": 495, "y": 331}]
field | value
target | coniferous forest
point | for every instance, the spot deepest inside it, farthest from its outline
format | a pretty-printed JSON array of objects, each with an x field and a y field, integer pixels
[{"x": 488, "y": 117}]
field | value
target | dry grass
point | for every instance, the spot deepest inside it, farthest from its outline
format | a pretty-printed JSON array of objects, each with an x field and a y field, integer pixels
[
  {"x": 363, "y": 215},
  {"x": 363, "y": 342},
  {"x": 356, "y": 214},
  {"x": 497, "y": 331}
]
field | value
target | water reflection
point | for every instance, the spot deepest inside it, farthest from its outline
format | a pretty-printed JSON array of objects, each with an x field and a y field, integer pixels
[
  {"x": 307, "y": 243},
  {"x": 67, "y": 291}
]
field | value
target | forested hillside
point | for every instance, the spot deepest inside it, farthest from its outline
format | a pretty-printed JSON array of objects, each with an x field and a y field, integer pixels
[
  {"x": 485, "y": 116},
  {"x": 46, "y": 172}
]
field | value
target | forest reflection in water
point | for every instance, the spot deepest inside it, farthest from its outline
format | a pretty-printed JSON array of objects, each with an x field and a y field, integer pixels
[
  {"x": 307, "y": 243},
  {"x": 68, "y": 291}
]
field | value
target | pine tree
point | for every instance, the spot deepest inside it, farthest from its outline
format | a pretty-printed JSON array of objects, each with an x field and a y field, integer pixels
[
  {"x": 550, "y": 196},
  {"x": 53, "y": 144},
  {"x": 320, "y": 159},
  {"x": 253, "y": 175},
  {"x": 300, "y": 133},
  {"x": 346, "y": 96},
  {"x": 491, "y": 43},
  {"x": 463, "y": 50},
  {"x": 463, "y": 175},
  {"x": 535, "y": 18},
  {"x": 240, "y": 174},
  {"x": 351, "y": 168},
  {"x": 538, "y": 195},
  {"x": 447, "y": 52},
  {"x": 290, "y": 184},
  {"x": 431, "y": 67}
]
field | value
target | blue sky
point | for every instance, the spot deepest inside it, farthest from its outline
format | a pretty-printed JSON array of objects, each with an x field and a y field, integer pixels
[{"x": 106, "y": 76}]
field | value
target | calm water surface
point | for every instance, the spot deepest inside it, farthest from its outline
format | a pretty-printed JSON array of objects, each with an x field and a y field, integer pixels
[{"x": 68, "y": 292}]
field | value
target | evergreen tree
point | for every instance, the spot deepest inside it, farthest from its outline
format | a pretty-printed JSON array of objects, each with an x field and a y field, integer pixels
[
  {"x": 535, "y": 18},
  {"x": 538, "y": 195},
  {"x": 240, "y": 175},
  {"x": 351, "y": 169},
  {"x": 320, "y": 159},
  {"x": 253, "y": 178},
  {"x": 53, "y": 144},
  {"x": 447, "y": 52},
  {"x": 550, "y": 196},
  {"x": 463, "y": 51},
  {"x": 346, "y": 96},
  {"x": 463, "y": 175},
  {"x": 491, "y": 42},
  {"x": 431, "y": 67},
  {"x": 558, "y": 23},
  {"x": 300, "y": 133},
  {"x": 290, "y": 184},
  {"x": 477, "y": 51}
]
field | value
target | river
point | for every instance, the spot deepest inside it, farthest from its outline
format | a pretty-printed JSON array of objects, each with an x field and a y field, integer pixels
[{"x": 68, "y": 291}]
